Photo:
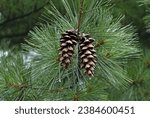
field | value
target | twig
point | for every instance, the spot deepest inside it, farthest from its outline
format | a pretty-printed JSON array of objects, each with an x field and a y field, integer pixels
[
  {"x": 76, "y": 96},
  {"x": 80, "y": 15}
]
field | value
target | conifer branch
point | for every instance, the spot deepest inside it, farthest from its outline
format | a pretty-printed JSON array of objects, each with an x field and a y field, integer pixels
[
  {"x": 76, "y": 96},
  {"x": 22, "y": 34},
  {"x": 35, "y": 10}
]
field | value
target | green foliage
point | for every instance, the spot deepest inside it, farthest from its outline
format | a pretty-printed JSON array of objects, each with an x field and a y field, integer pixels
[
  {"x": 146, "y": 2},
  {"x": 147, "y": 17},
  {"x": 13, "y": 80},
  {"x": 10, "y": 10},
  {"x": 121, "y": 72},
  {"x": 130, "y": 8},
  {"x": 17, "y": 17},
  {"x": 147, "y": 22},
  {"x": 114, "y": 44},
  {"x": 139, "y": 72}
]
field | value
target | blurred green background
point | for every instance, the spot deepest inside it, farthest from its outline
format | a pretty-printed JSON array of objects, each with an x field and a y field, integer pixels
[{"x": 17, "y": 17}]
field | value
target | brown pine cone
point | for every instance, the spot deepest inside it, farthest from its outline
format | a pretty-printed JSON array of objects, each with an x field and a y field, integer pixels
[
  {"x": 87, "y": 54},
  {"x": 67, "y": 42}
]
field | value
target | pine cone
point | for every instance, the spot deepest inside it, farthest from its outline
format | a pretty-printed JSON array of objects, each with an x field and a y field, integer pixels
[
  {"x": 87, "y": 54},
  {"x": 67, "y": 42}
]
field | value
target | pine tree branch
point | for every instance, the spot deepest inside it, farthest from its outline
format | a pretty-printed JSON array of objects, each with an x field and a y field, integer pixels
[
  {"x": 76, "y": 96},
  {"x": 24, "y": 15},
  {"x": 14, "y": 35}
]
